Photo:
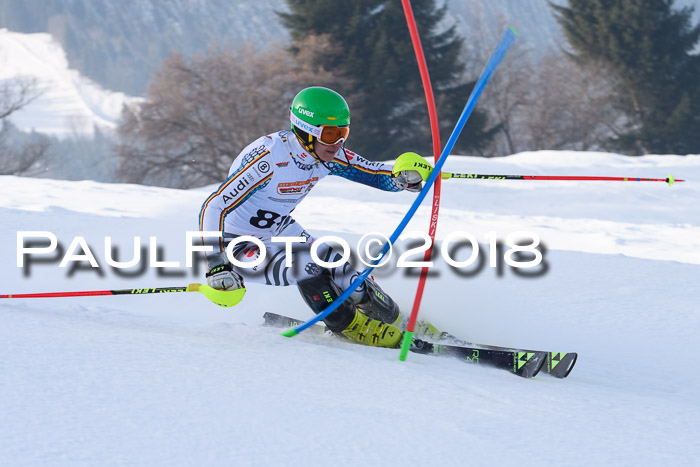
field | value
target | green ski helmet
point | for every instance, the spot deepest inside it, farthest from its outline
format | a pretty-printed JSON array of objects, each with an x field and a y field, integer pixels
[{"x": 320, "y": 113}]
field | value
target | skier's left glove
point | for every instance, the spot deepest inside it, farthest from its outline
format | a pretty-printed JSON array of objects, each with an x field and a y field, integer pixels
[{"x": 409, "y": 180}]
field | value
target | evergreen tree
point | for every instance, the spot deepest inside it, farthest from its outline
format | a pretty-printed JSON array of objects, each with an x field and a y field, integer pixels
[
  {"x": 647, "y": 46},
  {"x": 374, "y": 56}
]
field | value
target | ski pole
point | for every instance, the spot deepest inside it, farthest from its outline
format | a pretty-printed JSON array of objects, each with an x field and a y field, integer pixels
[
  {"x": 670, "y": 179},
  {"x": 219, "y": 297}
]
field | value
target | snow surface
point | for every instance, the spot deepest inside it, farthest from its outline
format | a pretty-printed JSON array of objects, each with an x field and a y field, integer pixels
[
  {"x": 70, "y": 104},
  {"x": 175, "y": 380}
]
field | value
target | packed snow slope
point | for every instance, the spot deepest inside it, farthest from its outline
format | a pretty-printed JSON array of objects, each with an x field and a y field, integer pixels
[{"x": 172, "y": 379}]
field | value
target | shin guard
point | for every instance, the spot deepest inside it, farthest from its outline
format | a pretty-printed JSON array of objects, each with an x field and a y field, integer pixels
[{"x": 319, "y": 292}]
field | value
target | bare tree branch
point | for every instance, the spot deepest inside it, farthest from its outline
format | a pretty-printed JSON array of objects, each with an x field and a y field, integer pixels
[
  {"x": 29, "y": 159},
  {"x": 201, "y": 111},
  {"x": 17, "y": 159},
  {"x": 17, "y": 93}
]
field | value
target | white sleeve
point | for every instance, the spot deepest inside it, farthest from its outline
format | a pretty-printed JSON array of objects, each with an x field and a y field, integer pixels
[{"x": 254, "y": 173}]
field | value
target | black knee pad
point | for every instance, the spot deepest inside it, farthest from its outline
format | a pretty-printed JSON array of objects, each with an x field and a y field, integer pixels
[{"x": 319, "y": 292}]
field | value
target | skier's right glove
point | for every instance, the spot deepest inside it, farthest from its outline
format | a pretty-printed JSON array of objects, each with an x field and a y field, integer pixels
[
  {"x": 410, "y": 171},
  {"x": 409, "y": 180},
  {"x": 221, "y": 275}
]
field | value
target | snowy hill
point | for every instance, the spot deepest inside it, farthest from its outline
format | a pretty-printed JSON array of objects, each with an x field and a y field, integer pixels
[
  {"x": 120, "y": 44},
  {"x": 175, "y": 380},
  {"x": 70, "y": 104}
]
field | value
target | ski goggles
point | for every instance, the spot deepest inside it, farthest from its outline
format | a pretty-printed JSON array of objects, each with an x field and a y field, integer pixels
[{"x": 326, "y": 134}]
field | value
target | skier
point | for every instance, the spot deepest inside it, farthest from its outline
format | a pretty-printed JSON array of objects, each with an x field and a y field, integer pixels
[{"x": 269, "y": 178}]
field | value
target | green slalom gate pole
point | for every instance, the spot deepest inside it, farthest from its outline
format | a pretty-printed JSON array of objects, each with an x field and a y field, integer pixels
[{"x": 219, "y": 297}]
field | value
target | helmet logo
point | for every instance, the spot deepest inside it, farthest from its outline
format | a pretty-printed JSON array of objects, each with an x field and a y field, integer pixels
[{"x": 308, "y": 113}]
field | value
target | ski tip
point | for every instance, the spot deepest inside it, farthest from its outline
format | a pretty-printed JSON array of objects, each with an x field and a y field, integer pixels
[
  {"x": 560, "y": 364},
  {"x": 513, "y": 30},
  {"x": 290, "y": 332},
  {"x": 571, "y": 367},
  {"x": 527, "y": 364},
  {"x": 541, "y": 365}
]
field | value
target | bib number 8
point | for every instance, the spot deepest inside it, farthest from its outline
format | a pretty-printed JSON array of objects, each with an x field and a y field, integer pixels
[{"x": 264, "y": 219}]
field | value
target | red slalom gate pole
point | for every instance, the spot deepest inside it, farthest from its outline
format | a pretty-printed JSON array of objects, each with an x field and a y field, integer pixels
[{"x": 435, "y": 131}]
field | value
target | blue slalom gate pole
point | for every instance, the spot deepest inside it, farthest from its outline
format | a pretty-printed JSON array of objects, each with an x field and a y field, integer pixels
[{"x": 496, "y": 57}]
